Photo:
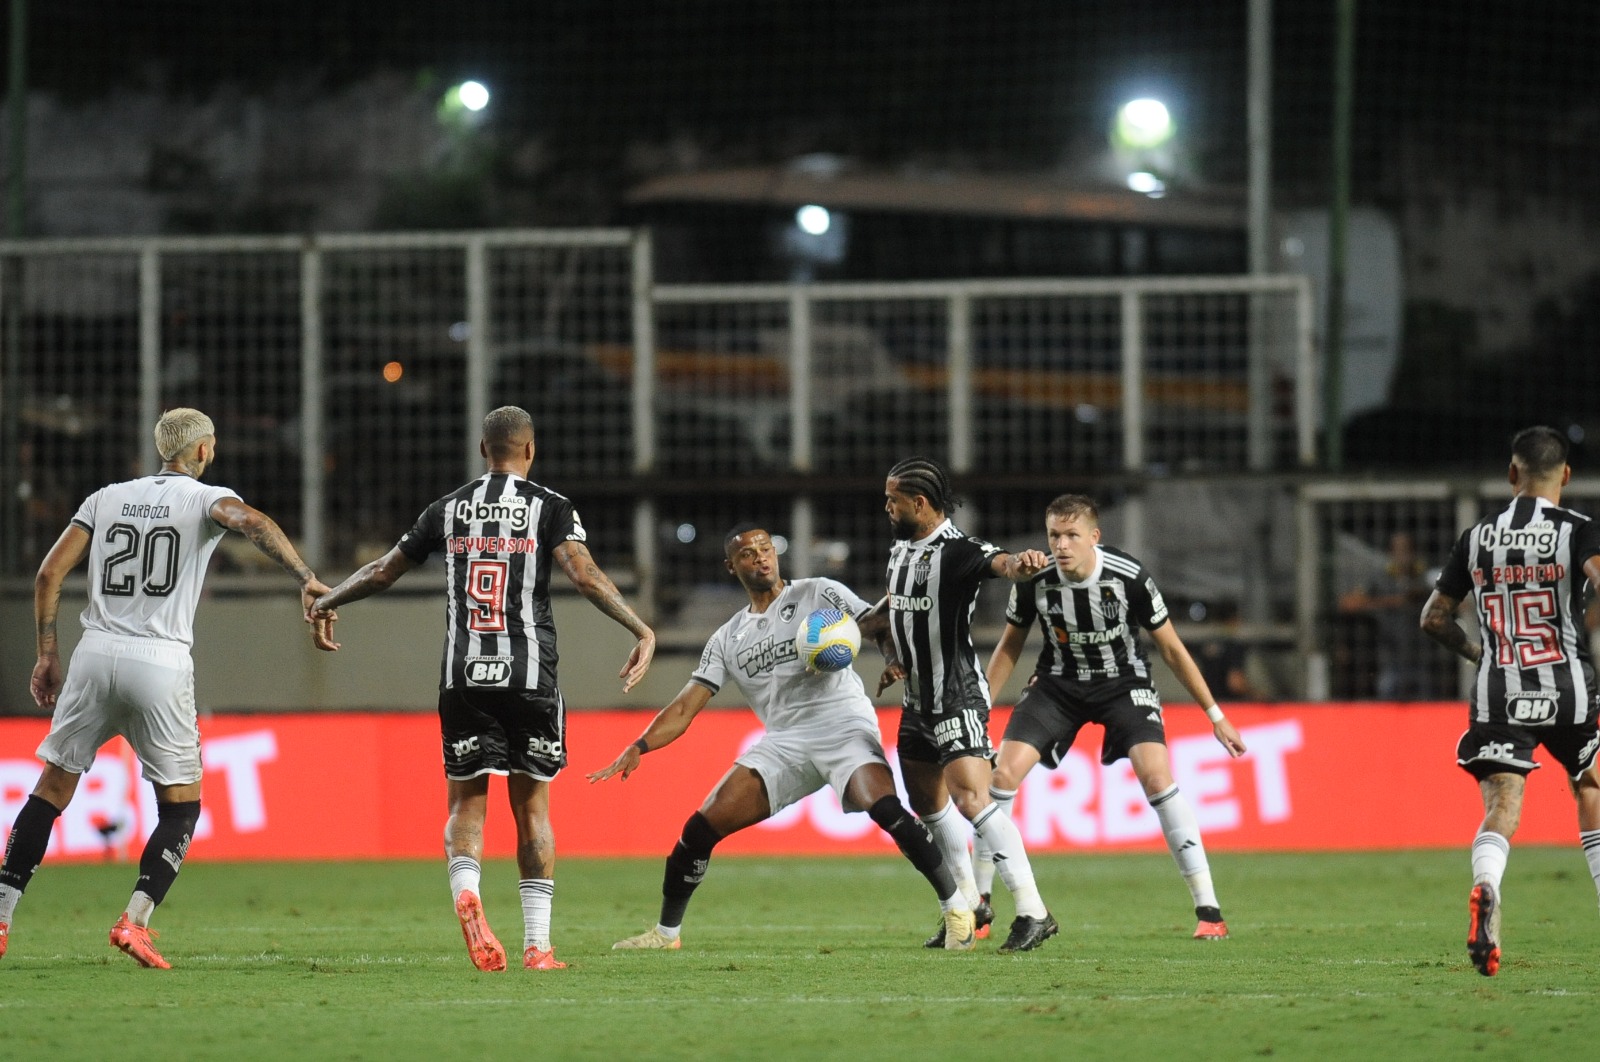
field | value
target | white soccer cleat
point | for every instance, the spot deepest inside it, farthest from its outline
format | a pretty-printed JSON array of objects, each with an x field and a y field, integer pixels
[
  {"x": 651, "y": 939},
  {"x": 960, "y": 931}
]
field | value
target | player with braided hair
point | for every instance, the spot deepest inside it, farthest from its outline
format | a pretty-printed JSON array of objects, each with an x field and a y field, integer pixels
[{"x": 935, "y": 572}]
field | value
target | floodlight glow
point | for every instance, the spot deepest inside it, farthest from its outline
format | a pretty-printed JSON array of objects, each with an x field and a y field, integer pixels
[
  {"x": 1148, "y": 183},
  {"x": 473, "y": 95},
  {"x": 813, "y": 220},
  {"x": 1143, "y": 123}
]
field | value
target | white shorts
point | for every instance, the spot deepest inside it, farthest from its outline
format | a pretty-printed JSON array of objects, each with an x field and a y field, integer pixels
[
  {"x": 793, "y": 766},
  {"x": 140, "y": 688}
]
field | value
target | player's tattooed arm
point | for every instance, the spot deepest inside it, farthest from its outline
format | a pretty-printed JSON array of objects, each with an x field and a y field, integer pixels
[
  {"x": 263, "y": 533},
  {"x": 595, "y": 585},
  {"x": 1439, "y": 623},
  {"x": 1019, "y": 566},
  {"x": 67, "y": 553}
]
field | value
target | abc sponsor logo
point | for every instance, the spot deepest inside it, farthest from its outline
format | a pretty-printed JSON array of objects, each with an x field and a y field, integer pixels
[{"x": 538, "y": 746}]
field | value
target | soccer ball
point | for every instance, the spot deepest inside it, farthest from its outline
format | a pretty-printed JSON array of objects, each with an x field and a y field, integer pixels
[{"x": 827, "y": 641}]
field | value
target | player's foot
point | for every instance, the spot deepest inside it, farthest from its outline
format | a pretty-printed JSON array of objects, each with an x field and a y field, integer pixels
[
  {"x": 983, "y": 914},
  {"x": 1483, "y": 930},
  {"x": 651, "y": 939},
  {"x": 1209, "y": 924},
  {"x": 1028, "y": 933},
  {"x": 545, "y": 959},
  {"x": 959, "y": 931},
  {"x": 485, "y": 950},
  {"x": 5, "y": 931},
  {"x": 135, "y": 940}
]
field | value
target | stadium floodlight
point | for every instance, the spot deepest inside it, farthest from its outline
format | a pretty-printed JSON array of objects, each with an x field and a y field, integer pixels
[
  {"x": 473, "y": 94},
  {"x": 1142, "y": 124},
  {"x": 1147, "y": 182},
  {"x": 813, "y": 220}
]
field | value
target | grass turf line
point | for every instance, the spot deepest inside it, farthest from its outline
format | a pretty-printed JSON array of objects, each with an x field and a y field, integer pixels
[{"x": 1333, "y": 955}]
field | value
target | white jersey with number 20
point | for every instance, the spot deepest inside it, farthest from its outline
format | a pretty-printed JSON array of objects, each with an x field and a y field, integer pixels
[{"x": 150, "y": 541}]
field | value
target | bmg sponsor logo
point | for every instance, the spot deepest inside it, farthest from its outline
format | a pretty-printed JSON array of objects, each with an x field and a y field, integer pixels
[
  {"x": 1537, "y": 538},
  {"x": 511, "y": 512}
]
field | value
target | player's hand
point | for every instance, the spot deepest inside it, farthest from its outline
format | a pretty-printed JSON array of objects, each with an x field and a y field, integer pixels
[
  {"x": 624, "y": 765},
  {"x": 1031, "y": 562},
  {"x": 1228, "y": 737},
  {"x": 893, "y": 673},
  {"x": 46, "y": 680},
  {"x": 638, "y": 662},
  {"x": 320, "y": 619}
]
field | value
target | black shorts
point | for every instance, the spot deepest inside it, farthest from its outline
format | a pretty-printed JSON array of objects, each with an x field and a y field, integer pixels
[
  {"x": 1501, "y": 748},
  {"x": 945, "y": 737},
  {"x": 498, "y": 731},
  {"x": 1051, "y": 711}
]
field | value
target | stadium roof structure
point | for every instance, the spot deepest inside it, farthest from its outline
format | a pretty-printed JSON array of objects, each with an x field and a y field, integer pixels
[{"x": 1043, "y": 198}]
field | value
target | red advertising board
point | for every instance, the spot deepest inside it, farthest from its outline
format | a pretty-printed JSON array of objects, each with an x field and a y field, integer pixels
[{"x": 322, "y": 785}]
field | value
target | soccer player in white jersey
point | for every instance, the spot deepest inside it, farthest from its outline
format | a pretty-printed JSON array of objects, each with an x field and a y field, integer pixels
[
  {"x": 1527, "y": 569},
  {"x": 500, "y": 708},
  {"x": 148, "y": 541},
  {"x": 820, "y": 730},
  {"x": 1089, "y": 604}
]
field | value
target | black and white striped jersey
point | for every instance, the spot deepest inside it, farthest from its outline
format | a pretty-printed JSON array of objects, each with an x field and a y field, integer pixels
[
  {"x": 1090, "y": 627},
  {"x": 933, "y": 590},
  {"x": 1524, "y": 570},
  {"x": 497, "y": 535}
]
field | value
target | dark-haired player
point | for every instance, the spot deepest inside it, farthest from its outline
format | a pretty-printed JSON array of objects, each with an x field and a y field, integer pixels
[
  {"x": 500, "y": 710},
  {"x": 946, "y": 758},
  {"x": 1093, "y": 670},
  {"x": 820, "y": 730},
  {"x": 1525, "y": 570}
]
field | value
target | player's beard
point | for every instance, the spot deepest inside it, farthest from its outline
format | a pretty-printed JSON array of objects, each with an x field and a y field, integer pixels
[{"x": 904, "y": 527}]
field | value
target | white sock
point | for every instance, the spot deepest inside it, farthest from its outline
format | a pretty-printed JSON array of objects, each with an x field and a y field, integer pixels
[
  {"x": 140, "y": 908},
  {"x": 1591, "y": 852},
  {"x": 1010, "y": 859},
  {"x": 464, "y": 875},
  {"x": 670, "y": 932},
  {"x": 1182, "y": 831},
  {"x": 950, "y": 834},
  {"x": 1489, "y": 854},
  {"x": 8, "y": 903},
  {"x": 982, "y": 856},
  {"x": 537, "y": 893}
]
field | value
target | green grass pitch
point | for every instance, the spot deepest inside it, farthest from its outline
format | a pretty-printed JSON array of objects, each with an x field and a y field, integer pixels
[{"x": 1332, "y": 956}]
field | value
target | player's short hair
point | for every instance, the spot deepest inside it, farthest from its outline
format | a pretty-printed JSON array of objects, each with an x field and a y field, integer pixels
[
  {"x": 178, "y": 429},
  {"x": 506, "y": 429},
  {"x": 921, "y": 475},
  {"x": 1074, "y": 506},
  {"x": 1539, "y": 450},
  {"x": 743, "y": 527}
]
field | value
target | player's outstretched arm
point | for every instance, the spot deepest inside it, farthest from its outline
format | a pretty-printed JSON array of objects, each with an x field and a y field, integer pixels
[
  {"x": 265, "y": 534},
  {"x": 1020, "y": 566},
  {"x": 371, "y": 578},
  {"x": 668, "y": 725},
  {"x": 65, "y": 555},
  {"x": 595, "y": 585},
  {"x": 1004, "y": 658},
  {"x": 1177, "y": 657},
  {"x": 1439, "y": 623}
]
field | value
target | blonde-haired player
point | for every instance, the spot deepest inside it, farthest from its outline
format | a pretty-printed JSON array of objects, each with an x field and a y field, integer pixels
[{"x": 148, "y": 541}]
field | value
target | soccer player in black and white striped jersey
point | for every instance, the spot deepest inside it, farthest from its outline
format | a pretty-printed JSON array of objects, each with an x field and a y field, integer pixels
[
  {"x": 946, "y": 758},
  {"x": 1090, "y": 604},
  {"x": 500, "y": 709},
  {"x": 1527, "y": 569}
]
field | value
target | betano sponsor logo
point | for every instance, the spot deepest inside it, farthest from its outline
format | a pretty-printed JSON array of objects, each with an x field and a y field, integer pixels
[{"x": 910, "y": 603}]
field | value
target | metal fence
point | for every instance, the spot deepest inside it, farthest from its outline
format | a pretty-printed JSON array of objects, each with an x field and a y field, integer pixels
[{"x": 348, "y": 376}]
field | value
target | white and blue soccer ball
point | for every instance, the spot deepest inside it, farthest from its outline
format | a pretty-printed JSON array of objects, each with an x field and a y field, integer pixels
[{"x": 828, "y": 640}]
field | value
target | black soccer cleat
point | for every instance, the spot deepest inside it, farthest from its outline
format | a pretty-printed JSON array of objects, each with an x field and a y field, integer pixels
[
  {"x": 1483, "y": 929},
  {"x": 1028, "y": 933},
  {"x": 984, "y": 914}
]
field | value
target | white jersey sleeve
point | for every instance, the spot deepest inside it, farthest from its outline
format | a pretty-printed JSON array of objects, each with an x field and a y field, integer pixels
[
  {"x": 712, "y": 671},
  {"x": 841, "y": 597},
  {"x": 150, "y": 540}
]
